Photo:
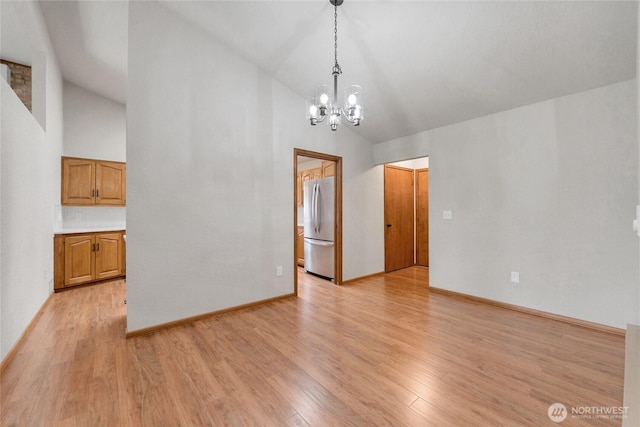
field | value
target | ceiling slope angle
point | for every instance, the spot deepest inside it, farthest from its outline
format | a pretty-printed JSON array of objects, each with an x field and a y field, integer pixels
[
  {"x": 422, "y": 65},
  {"x": 90, "y": 39}
]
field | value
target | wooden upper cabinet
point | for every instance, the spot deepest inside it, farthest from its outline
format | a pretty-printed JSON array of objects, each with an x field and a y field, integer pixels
[
  {"x": 111, "y": 183},
  {"x": 78, "y": 181},
  {"x": 88, "y": 182},
  {"x": 328, "y": 168}
]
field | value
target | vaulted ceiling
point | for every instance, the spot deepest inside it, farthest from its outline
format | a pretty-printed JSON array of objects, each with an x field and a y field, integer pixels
[{"x": 422, "y": 64}]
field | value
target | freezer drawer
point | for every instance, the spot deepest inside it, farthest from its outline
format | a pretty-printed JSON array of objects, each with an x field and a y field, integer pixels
[{"x": 319, "y": 257}]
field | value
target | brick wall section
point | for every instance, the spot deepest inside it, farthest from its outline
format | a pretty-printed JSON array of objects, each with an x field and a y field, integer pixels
[{"x": 20, "y": 81}]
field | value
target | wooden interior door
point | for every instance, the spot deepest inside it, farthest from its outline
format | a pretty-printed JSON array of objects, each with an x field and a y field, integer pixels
[
  {"x": 422, "y": 217},
  {"x": 398, "y": 218}
]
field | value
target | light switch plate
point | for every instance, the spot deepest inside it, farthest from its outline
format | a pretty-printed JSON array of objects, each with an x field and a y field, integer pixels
[{"x": 447, "y": 214}]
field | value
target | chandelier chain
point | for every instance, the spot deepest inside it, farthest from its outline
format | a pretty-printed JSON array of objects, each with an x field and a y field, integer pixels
[{"x": 336, "y": 67}]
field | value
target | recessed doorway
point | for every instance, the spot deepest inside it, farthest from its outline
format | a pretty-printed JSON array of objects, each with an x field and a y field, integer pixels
[
  {"x": 312, "y": 167},
  {"x": 406, "y": 214}
]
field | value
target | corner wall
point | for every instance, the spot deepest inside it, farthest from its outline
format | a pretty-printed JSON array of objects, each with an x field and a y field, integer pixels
[
  {"x": 548, "y": 190},
  {"x": 29, "y": 181},
  {"x": 210, "y": 141}
]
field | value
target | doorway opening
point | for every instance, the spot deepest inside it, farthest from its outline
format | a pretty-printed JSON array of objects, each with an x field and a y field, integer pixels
[
  {"x": 406, "y": 214},
  {"x": 313, "y": 169}
]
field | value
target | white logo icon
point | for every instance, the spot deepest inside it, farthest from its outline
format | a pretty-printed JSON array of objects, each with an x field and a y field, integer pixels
[{"x": 557, "y": 412}]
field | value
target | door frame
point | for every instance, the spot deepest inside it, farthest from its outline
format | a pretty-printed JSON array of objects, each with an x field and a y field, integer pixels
[
  {"x": 337, "y": 213},
  {"x": 417, "y": 199}
]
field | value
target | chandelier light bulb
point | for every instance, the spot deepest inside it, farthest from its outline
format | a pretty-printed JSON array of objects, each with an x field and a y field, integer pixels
[
  {"x": 352, "y": 100},
  {"x": 324, "y": 99}
]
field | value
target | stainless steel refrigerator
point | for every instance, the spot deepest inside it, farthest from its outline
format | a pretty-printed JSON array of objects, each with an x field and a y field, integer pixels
[{"x": 319, "y": 223}]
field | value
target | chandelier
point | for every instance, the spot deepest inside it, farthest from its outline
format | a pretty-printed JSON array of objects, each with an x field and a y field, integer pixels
[{"x": 322, "y": 105}]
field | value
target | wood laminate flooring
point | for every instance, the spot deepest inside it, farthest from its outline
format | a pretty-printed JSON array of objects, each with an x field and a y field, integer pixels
[{"x": 383, "y": 351}]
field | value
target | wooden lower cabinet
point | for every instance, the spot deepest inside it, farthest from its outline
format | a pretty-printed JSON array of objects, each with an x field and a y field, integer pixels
[
  {"x": 87, "y": 257},
  {"x": 109, "y": 255},
  {"x": 79, "y": 260},
  {"x": 300, "y": 246}
]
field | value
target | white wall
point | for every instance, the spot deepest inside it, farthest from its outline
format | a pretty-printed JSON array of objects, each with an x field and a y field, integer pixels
[
  {"x": 210, "y": 142},
  {"x": 548, "y": 190},
  {"x": 96, "y": 128},
  {"x": 30, "y": 182}
]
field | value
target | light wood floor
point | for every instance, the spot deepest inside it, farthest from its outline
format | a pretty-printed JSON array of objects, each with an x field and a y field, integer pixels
[{"x": 382, "y": 351}]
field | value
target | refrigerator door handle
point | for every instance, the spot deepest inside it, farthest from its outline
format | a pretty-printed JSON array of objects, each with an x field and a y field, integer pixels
[
  {"x": 313, "y": 207},
  {"x": 316, "y": 219},
  {"x": 318, "y": 242}
]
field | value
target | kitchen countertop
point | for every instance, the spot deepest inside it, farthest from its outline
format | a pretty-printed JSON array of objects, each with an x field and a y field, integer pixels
[{"x": 87, "y": 230}]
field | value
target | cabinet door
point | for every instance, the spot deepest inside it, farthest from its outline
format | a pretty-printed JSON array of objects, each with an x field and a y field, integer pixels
[
  {"x": 328, "y": 168},
  {"x": 300, "y": 246},
  {"x": 79, "y": 259},
  {"x": 110, "y": 183},
  {"x": 108, "y": 255},
  {"x": 299, "y": 189},
  {"x": 304, "y": 177},
  {"x": 78, "y": 179},
  {"x": 316, "y": 173}
]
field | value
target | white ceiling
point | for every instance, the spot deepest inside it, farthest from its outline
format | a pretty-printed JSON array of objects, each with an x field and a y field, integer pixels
[{"x": 422, "y": 64}]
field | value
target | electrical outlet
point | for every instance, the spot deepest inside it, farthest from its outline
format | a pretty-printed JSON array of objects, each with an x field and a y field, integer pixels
[
  {"x": 279, "y": 270},
  {"x": 515, "y": 277}
]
